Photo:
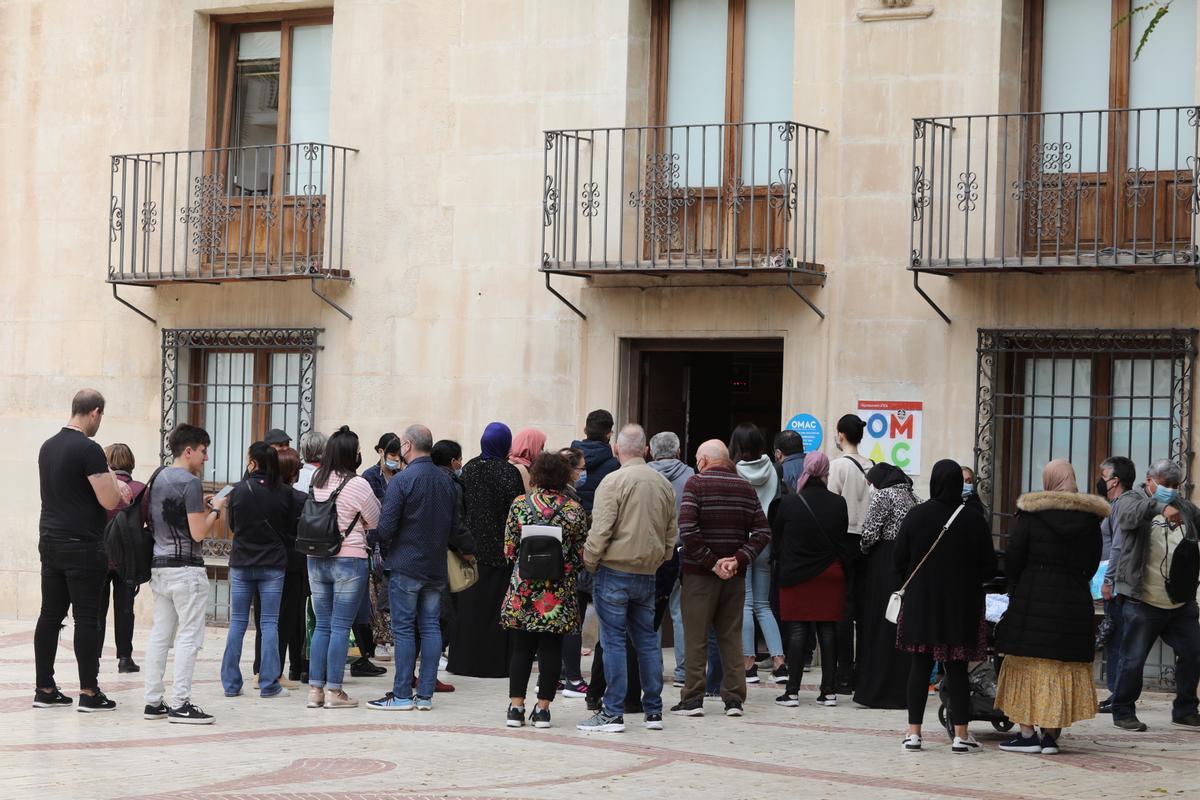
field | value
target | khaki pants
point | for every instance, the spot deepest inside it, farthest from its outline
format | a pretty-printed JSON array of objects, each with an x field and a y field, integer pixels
[{"x": 706, "y": 600}]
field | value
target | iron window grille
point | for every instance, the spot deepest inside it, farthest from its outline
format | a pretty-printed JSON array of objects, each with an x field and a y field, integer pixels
[
  {"x": 1083, "y": 395},
  {"x": 237, "y": 383}
]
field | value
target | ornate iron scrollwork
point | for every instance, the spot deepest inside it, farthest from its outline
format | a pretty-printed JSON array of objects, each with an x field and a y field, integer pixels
[
  {"x": 549, "y": 200},
  {"x": 968, "y": 192},
  {"x": 921, "y": 197},
  {"x": 589, "y": 199},
  {"x": 207, "y": 214},
  {"x": 661, "y": 198},
  {"x": 116, "y": 221},
  {"x": 1051, "y": 193}
]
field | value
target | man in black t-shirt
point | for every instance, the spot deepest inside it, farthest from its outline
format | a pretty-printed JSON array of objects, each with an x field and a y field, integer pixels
[{"x": 77, "y": 488}]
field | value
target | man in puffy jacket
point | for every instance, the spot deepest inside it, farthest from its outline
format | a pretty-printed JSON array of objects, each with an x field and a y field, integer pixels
[{"x": 599, "y": 459}]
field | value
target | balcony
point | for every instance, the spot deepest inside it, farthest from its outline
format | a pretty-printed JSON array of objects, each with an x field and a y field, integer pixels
[
  {"x": 267, "y": 212},
  {"x": 683, "y": 202},
  {"x": 1071, "y": 191}
]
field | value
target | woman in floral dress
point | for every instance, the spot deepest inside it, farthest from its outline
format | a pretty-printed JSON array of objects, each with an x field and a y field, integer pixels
[{"x": 538, "y": 613}]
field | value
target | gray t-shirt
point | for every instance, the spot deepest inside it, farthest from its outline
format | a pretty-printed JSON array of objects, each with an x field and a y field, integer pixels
[{"x": 175, "y": 494}]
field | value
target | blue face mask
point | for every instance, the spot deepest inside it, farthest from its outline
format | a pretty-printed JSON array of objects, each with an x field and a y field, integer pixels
[
  {"x": 1164, "y": 495},
  {"x": 392, "y": 465},
  {"x": 968, "y": 488}
]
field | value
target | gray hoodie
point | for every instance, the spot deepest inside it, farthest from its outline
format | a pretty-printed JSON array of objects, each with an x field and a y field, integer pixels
[
  {"x": 762, "y": 476},
  {"x": 677, "y": 473}
]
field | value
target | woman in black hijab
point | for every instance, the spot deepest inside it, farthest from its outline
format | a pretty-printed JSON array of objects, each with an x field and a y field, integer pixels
[
  {"x": 882, "y": 669},
  {"x": 942, "y": 616}
]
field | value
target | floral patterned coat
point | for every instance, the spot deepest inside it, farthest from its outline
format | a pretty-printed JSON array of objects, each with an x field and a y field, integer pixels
[{"x": 544, "y": 606}]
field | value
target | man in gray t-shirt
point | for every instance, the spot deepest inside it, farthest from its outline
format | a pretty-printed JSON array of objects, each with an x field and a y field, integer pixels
[
  {"x": 175, "y": 494},
  {"x": 180, "y": 514}
]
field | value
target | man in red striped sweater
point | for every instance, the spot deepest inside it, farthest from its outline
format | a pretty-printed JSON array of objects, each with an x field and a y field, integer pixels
[{"x": 723, "y": 529}]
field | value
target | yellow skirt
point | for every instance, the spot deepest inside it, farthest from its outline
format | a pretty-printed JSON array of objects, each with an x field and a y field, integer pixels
[{"x": 1044, "y": 692}]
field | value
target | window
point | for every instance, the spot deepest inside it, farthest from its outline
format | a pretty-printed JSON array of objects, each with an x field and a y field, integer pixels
[
  {"x": 1111, "y": 155},
  {"x": 1079, "y": 395},
  {"x": 237, "y": 384}
]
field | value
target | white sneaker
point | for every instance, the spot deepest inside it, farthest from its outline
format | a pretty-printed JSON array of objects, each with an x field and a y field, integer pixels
[
  {"x": 912, "y": 743},
  {"x": 967, "y": 745},
  {"x": 282, "y": 693},
  {"x": 383, "y": 652}
]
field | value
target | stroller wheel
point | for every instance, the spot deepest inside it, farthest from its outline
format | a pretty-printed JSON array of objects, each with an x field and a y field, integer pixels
[
  {"x": 944, "y": 719},
  {"x": 1003, "y": 725}
]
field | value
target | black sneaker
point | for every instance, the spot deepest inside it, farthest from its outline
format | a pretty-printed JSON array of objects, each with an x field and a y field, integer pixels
[
  {"x": 780, "y": 673},
  {"x": 733, "y": 708},
  {"x": 1191, "y": 722},
  {"x": 159, "y": 711},
  {"x": 653, "y": 722},
  {"x": 188, "y": 714},
  {"x": 593, "y": 703},
  {"x": 91, "y": 703},
  {"x": 54, "y": 699},
  {"x": 516, "y": 717},
  {"x": 540, "y": 717},
  {"x": 365, "y": 669},
  {"x": 127, "y": 665},
  {"x": 689, "y": 708},
  {"x": 788, "y": 700},
  {"x": 1105, "y": 706},
  {"x": 1022, "y": 744},
  {"x": 827, "y": 699},
  {"x": 1049, "y": 745},
  {"x": 1129, "y": 724},
  {"x": 752, "y": 674}
]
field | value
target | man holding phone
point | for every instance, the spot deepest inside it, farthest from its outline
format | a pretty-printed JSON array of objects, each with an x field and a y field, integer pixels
[{"x": 181, "y": 518}]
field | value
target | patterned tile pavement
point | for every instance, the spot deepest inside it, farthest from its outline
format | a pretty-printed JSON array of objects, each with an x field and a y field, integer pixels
[{"x": 279, "y": 750}]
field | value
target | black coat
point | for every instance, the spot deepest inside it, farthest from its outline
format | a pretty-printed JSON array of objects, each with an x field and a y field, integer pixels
[
  {"x": 1053, "y": 551},
  {"x": 943, "y": 605},
  {"x": 804, "y": 544}
]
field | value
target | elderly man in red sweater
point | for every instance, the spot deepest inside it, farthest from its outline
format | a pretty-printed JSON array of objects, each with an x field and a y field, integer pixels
[{"x": 723, "y": 529}]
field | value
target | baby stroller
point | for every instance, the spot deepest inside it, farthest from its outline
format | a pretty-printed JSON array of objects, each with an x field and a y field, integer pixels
[{"x": 982, "y": 680}]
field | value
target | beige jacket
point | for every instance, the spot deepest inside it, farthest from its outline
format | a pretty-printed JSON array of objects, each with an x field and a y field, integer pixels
[{"x": 634, "y": 522}]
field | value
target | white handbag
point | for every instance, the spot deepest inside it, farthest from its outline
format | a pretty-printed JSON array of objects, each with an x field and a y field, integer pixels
[{"x": 892, "y": 612}]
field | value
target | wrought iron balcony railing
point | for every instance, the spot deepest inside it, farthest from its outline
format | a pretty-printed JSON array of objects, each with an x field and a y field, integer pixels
[
  {"x": 235, "y": 213},
  {"x": 1108, "y": 189},
  {"x": 682, "y": 199}
]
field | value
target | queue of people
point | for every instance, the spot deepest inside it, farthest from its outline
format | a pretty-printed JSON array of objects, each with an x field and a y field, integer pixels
[{"x": 809, "y": 552}]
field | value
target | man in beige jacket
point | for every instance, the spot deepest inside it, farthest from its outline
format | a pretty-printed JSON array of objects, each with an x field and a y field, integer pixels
[{"x": 634, "y": 528}]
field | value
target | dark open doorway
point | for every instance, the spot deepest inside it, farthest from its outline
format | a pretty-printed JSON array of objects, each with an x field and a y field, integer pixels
[{"x": 702, "y": 388}]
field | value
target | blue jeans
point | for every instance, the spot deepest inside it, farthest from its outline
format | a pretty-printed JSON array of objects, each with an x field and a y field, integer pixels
[
  {"x": 758, "y": 606},
  {"x": 1112, "y": 651},
  {"x": 244, "y": 583},
  {"x": 677, "y": 625},
  {"x": 625, "y": 605},
  {"x": 1180, "y": 629},
  {"x": 415, "y": 602},
  {"x": 337, "y": 584},
  {"x": 712, "y": 679}
]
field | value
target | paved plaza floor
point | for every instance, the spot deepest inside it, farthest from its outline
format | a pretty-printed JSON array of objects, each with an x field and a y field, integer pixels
[{"x": 280, "y": 750}]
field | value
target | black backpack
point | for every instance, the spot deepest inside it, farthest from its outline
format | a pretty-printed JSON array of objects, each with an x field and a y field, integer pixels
[
  {"x": 318, "y": 533},
  {"x": 540, "y": 557},
  {"x": 1183, "y": 577},
  {"x": 129, "y": 538}
]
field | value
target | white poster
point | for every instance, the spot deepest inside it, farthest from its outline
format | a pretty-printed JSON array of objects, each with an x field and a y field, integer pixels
[{"x": 893, "y": 433}]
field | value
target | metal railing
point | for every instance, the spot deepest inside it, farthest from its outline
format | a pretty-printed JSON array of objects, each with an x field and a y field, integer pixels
[
  {"x": 681, "y": 198},
  {"x": 1104, "y": 189},
  {"x": 264, "y": 211}
]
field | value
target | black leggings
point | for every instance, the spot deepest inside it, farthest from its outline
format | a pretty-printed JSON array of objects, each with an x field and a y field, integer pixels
[
  {"x": 800, "y": 635},
  {"x": 573, "y": 642},
  {"x": 548, "y": 647},
  {"x": 918, "y": 689}
]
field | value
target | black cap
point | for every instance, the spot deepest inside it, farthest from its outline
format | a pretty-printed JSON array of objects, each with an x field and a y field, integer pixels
[
  {"x": 387, "y": 440},
  {"x": 276, "y": 436}
]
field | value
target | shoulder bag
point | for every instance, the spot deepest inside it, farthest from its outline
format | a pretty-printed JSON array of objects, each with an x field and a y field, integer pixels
[{"x": 896, "y": 601}]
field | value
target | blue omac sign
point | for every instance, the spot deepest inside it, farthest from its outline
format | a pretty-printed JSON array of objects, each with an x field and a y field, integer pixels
[{"x": 809, "y": 428}]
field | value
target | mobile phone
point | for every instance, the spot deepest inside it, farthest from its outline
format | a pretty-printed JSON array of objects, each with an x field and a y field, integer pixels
[{"x": 224, "y": 492}]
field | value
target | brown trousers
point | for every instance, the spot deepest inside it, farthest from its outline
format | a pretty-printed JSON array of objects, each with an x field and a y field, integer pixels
[{"x": 704, "y": 601}]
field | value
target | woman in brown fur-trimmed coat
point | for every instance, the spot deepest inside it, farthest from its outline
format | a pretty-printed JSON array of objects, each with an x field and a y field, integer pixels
[{"x": 1047, "y": 634}]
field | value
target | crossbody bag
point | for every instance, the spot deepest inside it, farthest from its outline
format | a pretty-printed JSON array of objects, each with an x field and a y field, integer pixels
[{"x": 896, "y": 601}]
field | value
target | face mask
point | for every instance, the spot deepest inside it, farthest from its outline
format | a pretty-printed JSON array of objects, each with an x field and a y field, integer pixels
[
  {"x": 358, "y": 461},
  {"x": 1102, "y": 487},
  {"x": 1164, "y": 495},
  {"x": 392, "y": 465},
  {"x": 968, "y": 488},
  {"x": 458, "y": 472}
]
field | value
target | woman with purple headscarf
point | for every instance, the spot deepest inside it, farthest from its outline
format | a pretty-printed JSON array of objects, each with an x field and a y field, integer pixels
[
  {"x": 810, "y": 541},
  {"x": 479, "y": 646}
]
